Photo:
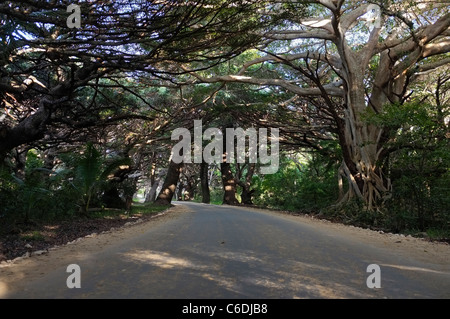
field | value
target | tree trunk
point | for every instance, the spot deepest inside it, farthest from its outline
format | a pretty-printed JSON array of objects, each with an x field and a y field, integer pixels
[
  {"x": 179, "y": 192},
  {"x": 206, "y": 196},
  {"x": 29, "y": 130},
  {"x": 130, "y": 189},
  {"x": 247, "y": 193},
  {"x": 228, "y": 180},
  {"x": 189, "y": 190},
  {"x": 151, "y": 195},
  {"x": 170, "y": 184},
  {"x": 246, "y": 196},
  {"x": 154, "y": 183},
  {"x": 229, "y": 184},
  {"x": 362, "y": 146}
]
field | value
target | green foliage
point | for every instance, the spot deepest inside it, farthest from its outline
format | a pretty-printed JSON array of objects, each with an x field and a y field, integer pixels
[
  {"x": 39, "y": 193},
  {"x": 419, "y": 164},
  {"x": 146, "y": 209},
  {"x": 33, "y": 236},
  {"x": 354, "y": 212},
  {"x": 8, "y": 190},
  {"x": 309, "y": 185},
  {"x": 216, "y": 196},
  {"x": 32, "y": 188},
  {"x": 46, "y": 194},
  {"x": 90, "y": 171}
]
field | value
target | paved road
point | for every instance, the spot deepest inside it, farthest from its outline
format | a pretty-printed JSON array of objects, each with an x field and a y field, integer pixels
[{"x": 228, "y": 252}]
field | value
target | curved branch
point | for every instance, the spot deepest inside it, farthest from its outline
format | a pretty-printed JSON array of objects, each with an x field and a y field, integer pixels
[
  {"x": 330, "y": 4},
  {"x": 300, "y": 34},
  {"x": 348, "y": 20},
  {"x": 399, "y": 48},
  {"x": 333, "y": 60},
  {"x": 290, "y": 86}
]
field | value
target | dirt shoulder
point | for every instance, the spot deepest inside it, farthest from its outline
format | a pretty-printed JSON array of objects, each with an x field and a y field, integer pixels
[{"x": 24, "y": 239}]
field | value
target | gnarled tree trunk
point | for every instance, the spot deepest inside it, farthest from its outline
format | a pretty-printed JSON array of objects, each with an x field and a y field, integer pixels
[
  {"x": 362, "y": 143},
  {"x": 170, "y": 184}
]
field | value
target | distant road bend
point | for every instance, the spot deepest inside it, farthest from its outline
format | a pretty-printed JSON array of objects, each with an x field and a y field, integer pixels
[{"x": 234, "y": 252}]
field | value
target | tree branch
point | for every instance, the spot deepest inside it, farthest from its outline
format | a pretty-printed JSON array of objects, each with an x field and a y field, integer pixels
[{"x": 331, "y": 89}]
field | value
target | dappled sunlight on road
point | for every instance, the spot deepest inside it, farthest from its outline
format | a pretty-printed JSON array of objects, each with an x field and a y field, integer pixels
[
  {"x": 303, "y": 284},
  {"x": 292, "y": 279},
  {"x": 296, "y": 264},
  {"x": 159, "y": 259},
  {"x": 297, "y": 277},
  {"x": 241, "y": 256},
  {"x": 228, "y": 283}
]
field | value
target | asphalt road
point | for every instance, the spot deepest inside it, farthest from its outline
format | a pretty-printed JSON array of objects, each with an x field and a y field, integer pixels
[{"x": 228, "y": 252}]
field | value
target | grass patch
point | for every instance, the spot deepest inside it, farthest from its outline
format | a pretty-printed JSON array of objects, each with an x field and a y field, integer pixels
[
  {"x": 438, "y": 234},
  {"x": 137, "y": 209},
  {"x": 145, "y": 209},
  {"x": 107, "y": 213},
  {"x": 33, "y": 236}
]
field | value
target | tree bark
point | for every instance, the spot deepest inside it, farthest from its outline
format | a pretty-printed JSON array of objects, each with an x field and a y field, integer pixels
[
  {"x": 247, "y": 193},
  {"x": 228, "y": 180},
  {"x": 362, "y": 143},
  {"x": 206, "y": 196},
  {"x": 229, "y": 184},
  {"x": 189, "y": 190},
  {"x": 247, "y": 196},
  {"x": 29, "y": 130},
  {"x": 179, "y": 192},
  {"x": 170, "y": 184},
  {"x": 150, "y": 196}
]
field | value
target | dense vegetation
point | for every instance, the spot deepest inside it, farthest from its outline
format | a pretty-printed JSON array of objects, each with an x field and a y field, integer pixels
[{"x": 363, "y": 108}]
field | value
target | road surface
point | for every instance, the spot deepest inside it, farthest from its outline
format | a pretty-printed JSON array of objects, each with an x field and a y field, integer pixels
[{"x": 229, "y": 252}]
